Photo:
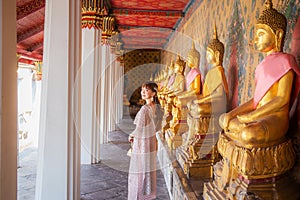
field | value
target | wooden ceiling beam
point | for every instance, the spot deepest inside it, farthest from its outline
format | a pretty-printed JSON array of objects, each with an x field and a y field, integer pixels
[
  {"x": 165, "y": 13},
  {"x": 35, "y": 46},
  {"x": 30, "y": 7},
  {"x": 126, "y": 27},
  {"x": 30, "y": 32}
]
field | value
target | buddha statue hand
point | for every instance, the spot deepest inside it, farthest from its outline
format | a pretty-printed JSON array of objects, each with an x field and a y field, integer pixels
[
  {"x": 177, "y": 102},
  {"x": 245, "y": 118},
  {"x": 224, "y": 121}
]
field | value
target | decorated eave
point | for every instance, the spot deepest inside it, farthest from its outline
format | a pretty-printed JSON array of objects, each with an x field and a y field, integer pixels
[{"x": 126, "y": 25}]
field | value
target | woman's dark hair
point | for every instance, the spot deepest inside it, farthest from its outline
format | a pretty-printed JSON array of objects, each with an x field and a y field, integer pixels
[
  {"x": 158, "y": 112},
  {"x": 153, "y": 87}
]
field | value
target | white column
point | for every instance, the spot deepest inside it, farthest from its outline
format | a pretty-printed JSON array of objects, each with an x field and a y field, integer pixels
[
  {"x": 121, "y": 92},
  {"x": 112, "y": 111},
  {"x": 116, "y": 91},
  {"x": 119, "y": 97},
  {"x": 58, "y": 173},
  {"x": 121, "y": 89},
  {"x": 89, "y": 114},
  {"x": 8, "y": 101},
  {"x": 103, "y": 119},
  {"x": 97, "y": 78}
]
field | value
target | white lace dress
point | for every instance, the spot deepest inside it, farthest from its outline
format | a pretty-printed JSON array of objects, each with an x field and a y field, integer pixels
[{"x": 142, "y": 169}]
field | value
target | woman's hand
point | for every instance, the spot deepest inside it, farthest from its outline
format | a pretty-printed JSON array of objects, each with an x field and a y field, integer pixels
[{"x": 130, "y": 138}]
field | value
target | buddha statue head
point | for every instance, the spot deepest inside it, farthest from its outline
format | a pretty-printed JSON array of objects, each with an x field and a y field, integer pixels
[
  {"x": 215, "y": 50},
  {"x": 193, "y": 57},
  {"x": 179, "y": 65},
  {"x": 270, "y": 29},
  {"x": 171, "y": 68}
]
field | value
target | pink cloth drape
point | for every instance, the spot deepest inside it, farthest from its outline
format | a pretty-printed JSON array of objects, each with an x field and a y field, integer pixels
[
  {"x": 270, "y": 70},
  {"x": 142, "y": 169},
  {"x": 191, "y": 76},
  {"x": 171, "y": 80}
]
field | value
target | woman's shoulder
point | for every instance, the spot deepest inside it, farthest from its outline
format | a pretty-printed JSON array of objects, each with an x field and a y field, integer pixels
[{"x": 143, "y": 110}]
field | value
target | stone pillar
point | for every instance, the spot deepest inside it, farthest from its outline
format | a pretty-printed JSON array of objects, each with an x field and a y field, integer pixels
[
  {"x": 8, "y": 101},
  {"x": 120, "y": 92},
  {"x": 58, "y": 172},
  {"x": 91, "y": 39},
  {"x": 112, "y": 110},
  {"x": 103, "y": 101},
  {"x": 117, "y": 91}
]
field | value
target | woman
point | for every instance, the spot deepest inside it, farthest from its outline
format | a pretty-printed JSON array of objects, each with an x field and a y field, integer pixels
[{"x": 142, "y": 170}]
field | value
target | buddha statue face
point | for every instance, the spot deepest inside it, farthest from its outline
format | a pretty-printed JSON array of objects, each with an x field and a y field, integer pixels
[
  {"x": 270, "y": 30},
  {"x": 192, "y": 61},
  {"x": 193, "y": 57},
  {"x": 171, "y": 69},
  {"x": 179, "y": 66},
  {"x": 266, "y": 40},
  {"x": 212, "y": 56}
]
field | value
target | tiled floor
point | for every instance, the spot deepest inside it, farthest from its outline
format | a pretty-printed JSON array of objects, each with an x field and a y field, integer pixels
[{"x": 106, "y": 180}]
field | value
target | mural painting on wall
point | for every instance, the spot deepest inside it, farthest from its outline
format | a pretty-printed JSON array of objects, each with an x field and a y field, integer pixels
[
  {"x": 139, "y": 65},
  {"x": 235, "y": 21}
]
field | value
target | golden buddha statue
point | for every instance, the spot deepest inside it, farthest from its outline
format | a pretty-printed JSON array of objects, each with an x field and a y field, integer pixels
[
  {"x": 254, "y": 145},
  {"x": 168, "y": 81},
  {"x": 193, "y": 79},
  {"x": 203, "y": 116},
  {"x": 193, "y": 87},
  {"x": 175, "y": 86},
  {"x": 178, "y": 84},
  {"x": 214, "y": 96}
]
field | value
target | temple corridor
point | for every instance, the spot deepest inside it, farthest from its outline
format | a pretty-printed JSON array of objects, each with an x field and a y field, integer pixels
[{"x": 106, "y": 180}]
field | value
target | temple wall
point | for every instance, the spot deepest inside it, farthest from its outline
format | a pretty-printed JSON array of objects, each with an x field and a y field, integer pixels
[
  {"x": 234, "y": 21},
  {"x": 139, "y": 66}
]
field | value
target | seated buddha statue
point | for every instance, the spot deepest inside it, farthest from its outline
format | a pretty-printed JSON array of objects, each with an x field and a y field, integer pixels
[
  {"x": 178, "y": 84},
  {"x": 254, "y": 143},
  {"x": 204, "y": 112},
  {"x": 168, "y": 81},
  {"x": 193, "y": 87},
  {"x": 212, "y": 102},
  {"x": 175, "y": 86},
  {"x": 192, "y": 79}
]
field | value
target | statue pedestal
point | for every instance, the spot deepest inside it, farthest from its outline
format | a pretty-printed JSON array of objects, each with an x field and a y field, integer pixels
[
  {"x": 280, "y": 187},
  {"x": 166, "y": 122},
  {"x": 179, "y": 125},
  {"x": 199, "y": 163},
  {"x": 179, "y": 187},
  {"x": 167, "y": 118},
  {"x": 173, "y": 141}
]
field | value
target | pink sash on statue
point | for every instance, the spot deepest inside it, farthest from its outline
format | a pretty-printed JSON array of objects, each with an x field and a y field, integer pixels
[
  {"x": 270, "y": 70},
  {"x": 191, "y": 76},
  {"x": 171, "y": 80}
]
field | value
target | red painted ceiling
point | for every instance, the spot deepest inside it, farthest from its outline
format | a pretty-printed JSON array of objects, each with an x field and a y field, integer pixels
[{"x": 141, "y": 23}]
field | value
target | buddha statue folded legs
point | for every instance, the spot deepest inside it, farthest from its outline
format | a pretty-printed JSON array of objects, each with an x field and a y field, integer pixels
[
  {"x": 253, "y": 144},
  {"x": 198, "y": 152}
]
